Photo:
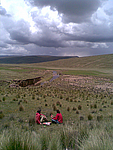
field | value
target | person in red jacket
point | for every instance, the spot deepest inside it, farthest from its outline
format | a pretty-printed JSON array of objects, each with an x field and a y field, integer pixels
[
  {"x": 39, "y": 117},
  {"x": 58, "y": 119}
]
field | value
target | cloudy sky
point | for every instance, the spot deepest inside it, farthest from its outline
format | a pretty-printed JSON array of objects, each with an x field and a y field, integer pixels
[{"x": 56, "y": 27}]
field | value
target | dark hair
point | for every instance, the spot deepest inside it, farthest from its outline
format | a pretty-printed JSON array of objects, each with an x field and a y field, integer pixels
[
  {"x": 58, "y": 111},
  {"x": 38, "y": 111}
]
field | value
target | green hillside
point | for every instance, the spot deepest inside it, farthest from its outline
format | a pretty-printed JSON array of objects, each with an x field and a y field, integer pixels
[
  {"x": 100, "y": 61},
  {"x": 30, "y": 59}
]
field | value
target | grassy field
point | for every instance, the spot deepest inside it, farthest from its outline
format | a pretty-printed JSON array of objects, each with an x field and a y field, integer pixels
[{"x": 83, "y": 94}]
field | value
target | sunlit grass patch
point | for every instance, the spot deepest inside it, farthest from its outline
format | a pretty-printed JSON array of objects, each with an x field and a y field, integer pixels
[{"x": 83, "y": 72}]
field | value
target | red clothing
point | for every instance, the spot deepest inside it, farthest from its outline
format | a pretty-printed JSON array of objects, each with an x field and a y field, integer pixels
[
  {"x": 58, "y": 117},
  {"x": 37, "y": 118}
]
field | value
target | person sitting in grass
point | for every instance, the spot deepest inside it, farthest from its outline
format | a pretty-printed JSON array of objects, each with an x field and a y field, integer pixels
[
  {"x": 58, "y": 119},
  {"x": 40, "y": 117}
]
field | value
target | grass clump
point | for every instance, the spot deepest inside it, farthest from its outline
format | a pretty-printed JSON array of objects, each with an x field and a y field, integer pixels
[
  {"x": 54, "y": 107},
  {"x": 3, "y": 98},
  {"x": 1, "y": 114},
  {"x": 77, "y": 112},
  {"x": 95, "y": 105},
  {"x": 90, "y": 117},
  {"x": 21, "y": 108},
  {"x": 68, "y": 108},
  {"x": 68, "y": 137},
  {"x": 112, "y": 102},
  {"x": 55, "y": 143},
  {"x": 99, "y": 139},
  {"x": 74, "y": 108},
  {"x": 16, "y": 139},
  {"x": 44, "y": 139},
  {"x": 79, "y": 107},
  {"x": 58, "y": 103}
]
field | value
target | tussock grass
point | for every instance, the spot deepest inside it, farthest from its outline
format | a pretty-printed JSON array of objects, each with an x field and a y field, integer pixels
[
  {"x": 16, "y": 139},
  {"x": 99, "y": 139},
  {"x": 85, "y": 136}
]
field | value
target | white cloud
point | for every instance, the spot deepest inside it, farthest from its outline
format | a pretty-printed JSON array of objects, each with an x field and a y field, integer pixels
[{"x": 48, "y": 25}]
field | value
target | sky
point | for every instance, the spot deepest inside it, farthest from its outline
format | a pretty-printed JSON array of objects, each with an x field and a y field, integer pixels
[{"x": 56, "y": 27}]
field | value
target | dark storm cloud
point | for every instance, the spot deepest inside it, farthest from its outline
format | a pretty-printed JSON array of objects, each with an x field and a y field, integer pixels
[
  {"x": 69, "y": 27},
  {"x": 91, "y": 33},
  {"x": 47, "y": 38},
  {"x": 20, "y": 31},
  {"x": 72, "y": 10},
  {"x": 21, "y": 34},
  {"x": 90, "y": 38}
]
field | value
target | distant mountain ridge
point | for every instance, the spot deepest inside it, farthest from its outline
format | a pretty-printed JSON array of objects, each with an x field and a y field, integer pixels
[
  {"x": 98, "y": 61},
  {"x": 30, "y": 59}
]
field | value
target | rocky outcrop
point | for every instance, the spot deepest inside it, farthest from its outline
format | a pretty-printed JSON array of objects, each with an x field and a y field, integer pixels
[
  {"x": 27, "y": 82},
  {"x": 13, "y": 85},
  {"x": 34, "y": 81}
]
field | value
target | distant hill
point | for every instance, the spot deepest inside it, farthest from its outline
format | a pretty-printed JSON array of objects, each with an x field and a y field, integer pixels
[
  {"x": 30, "y": 59},
  {"x": 100, "y": 61}
]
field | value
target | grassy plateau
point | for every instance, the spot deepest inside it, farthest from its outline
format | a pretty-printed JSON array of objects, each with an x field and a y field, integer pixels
[{"x": 83, "y": 93}]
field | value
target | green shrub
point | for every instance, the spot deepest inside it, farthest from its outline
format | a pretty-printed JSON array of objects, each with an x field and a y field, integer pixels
[
  {"x": 91, "y": 106},
  {"x": 18, "y": 96},
  {"x": 67, "y": 99},
  {"x": 81, "y": 118},
  {"x": 90, "y": 117},
  {"x": 58, "y": 103},
  {"x": 21, "y": 108},
  {"x": 37, "y": 98},
  {"x": 3, "y": 98},
  {"x": 68, "y": 108},
  {"x": 46, "y": 104},
  {"x": 61, "y": 96},
  {"x": 111, "y": 102},
  {"x": 74, "y": 108},
  {"x": 1, "y": 116},
  {"x": 71, "y": 100},
  {"x": 79, "y": 107},
  {"x": 33, "y": 96},
  {"x": 44, "y": 96},
  {"x": 95, "y": 105},
  {"x": 77, "y": 112}
]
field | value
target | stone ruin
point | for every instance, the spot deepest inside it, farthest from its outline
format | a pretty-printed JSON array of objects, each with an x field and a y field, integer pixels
[{"x": 27, "y": 82}]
